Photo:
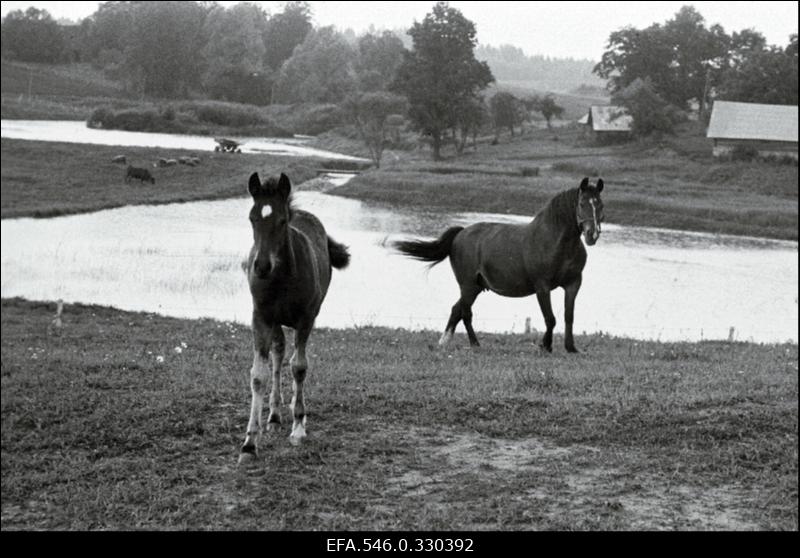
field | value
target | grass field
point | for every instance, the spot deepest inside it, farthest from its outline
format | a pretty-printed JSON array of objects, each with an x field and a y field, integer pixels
[
  {"x": 675, "y": 184},
  {"x": 98, "y": 434},
  {"x": 43, "y": 179}
]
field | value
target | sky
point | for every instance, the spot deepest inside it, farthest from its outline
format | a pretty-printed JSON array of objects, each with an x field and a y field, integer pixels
[{"x": 556, "y": 29}]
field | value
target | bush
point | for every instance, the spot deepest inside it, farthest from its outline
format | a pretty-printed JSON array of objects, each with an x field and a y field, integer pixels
[
  {"x": 168, "y": 113},
  {"x": 224, "y": 114},
  {"x": 316, "y": 119},
  {"x": 576, "y": 168},
  {"x": 744, "y": 153},
  {"x": 101, "y": 118}
]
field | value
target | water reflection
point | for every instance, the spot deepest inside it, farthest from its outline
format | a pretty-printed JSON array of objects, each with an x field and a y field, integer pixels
[
  {"x": 184, "y": 260},
  {"x": 71, "y": 131}
]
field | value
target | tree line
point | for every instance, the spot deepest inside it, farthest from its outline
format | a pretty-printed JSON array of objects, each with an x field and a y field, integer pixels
[
  {"x": 436, "y": 83},
  {"x": 660, "y": 71}
]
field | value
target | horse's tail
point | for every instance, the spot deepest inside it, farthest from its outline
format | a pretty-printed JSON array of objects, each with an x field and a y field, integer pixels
[
  {"x": 429, "y": 251},
  {"x": 338, "y": 253}
]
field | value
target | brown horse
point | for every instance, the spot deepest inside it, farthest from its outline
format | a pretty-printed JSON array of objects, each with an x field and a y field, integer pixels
[
  {"x": 288, "y": 270},
  {"x": 520, "y": 260}
]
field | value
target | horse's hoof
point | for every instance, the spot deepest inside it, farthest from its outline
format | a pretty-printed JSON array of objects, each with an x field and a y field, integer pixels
[
  {"x": 298, "y": 435},
  {"x": 246, "y": 458},
  {"x": 573, "y": 350},
  {"x": 274, "y": 426}
]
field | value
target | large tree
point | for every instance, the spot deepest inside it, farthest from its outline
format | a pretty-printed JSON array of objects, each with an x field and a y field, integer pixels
[
  {"x": 378, "y": 57},
  {"x": 319, "y": 71},
  {"x": 285, "y": 31},
  {"x": 651, "y": 114},
  {"x": 679, "y": 57},
  {"x": 163, "y": 48},
  {"x": 235, "y": 54},
  {"x": 763, "y": 76},
  {"x": 440, "y": 74},
  {"x": 32, "y": 36}
]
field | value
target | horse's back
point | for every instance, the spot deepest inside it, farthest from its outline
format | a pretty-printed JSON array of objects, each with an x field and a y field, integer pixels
[
  {"x": 514, "y": 259},
  {"x": 312, "y": 227},
  {"x": 490, "y": 255}
]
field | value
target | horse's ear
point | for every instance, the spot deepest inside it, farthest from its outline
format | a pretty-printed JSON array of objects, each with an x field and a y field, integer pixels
[
  {"x": 599, "y": 185},
  {"x": 284, "y": 185},
  {"x": 254, "y": 185},
  {"x": 584, "y": 183}
]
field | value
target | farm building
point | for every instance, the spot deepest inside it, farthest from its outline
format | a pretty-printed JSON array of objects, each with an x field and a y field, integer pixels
[
  {"x": 771, "y": 130},
  {"x": 607, "y": 123}
]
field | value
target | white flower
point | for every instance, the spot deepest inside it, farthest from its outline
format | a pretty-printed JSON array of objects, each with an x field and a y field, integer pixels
[
  {"x": 178, "y": 350},
  {"x": 159, "y": 359}
]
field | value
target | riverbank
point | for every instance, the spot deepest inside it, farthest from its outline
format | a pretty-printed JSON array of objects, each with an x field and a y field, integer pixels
[
  {"x": 45, "y": 179},
  {"x": 675, "y": 185},
  {"x": 402, "y": 434}
]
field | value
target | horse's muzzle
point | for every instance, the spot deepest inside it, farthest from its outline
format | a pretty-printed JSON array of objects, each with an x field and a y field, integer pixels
[{"x": 591, "y": 234}]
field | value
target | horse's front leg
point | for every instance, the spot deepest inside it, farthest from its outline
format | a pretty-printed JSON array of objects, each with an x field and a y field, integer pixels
[
  {"x": 259, "y": 373},
  {"x": 275, "y": 396},
  {"x": 543, "y": 296},
  {"x": 570, "y": 292},
  {"x": 299, "y": 365}
]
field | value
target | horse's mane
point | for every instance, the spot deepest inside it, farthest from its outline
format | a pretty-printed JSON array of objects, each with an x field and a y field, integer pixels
[{"x": 561, "y": 208}]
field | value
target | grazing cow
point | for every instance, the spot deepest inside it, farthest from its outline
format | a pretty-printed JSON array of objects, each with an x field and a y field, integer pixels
[
  {"x": 119, "y": 159},
  {"x": 140, "y": 173},
  {"x": 171, "y": 162},
  {"x": 162, "y": 162}
]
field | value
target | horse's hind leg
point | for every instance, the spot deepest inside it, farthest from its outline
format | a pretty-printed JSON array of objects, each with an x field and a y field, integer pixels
[
  {"x": 462, "y": 311},
  {"x": 275, "y": 396},
  {"x": 549, "y": 318},
  {"x": 450, "y": 328},
  {"x": 262, "y": 339},
  {"x": 299, "y": 365},
  {"x": 468, "y": 297}
]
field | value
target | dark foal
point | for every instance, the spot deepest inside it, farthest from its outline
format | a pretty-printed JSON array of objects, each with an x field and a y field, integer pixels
[
  {"x": 520, "y": 260},
  {"x": 288, "y": 270}
]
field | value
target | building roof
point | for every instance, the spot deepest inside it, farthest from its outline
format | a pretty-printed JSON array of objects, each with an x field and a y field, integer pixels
[
  {"x": 609, "y": 119},
  {"x": 731, "y": 120}
]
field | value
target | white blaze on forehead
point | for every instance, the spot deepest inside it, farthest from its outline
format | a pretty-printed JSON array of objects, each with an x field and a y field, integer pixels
[{"x": 266, "y": 210}]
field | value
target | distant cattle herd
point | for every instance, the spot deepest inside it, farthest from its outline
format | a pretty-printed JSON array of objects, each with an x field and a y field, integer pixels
[{"x": 144, "y": 175}]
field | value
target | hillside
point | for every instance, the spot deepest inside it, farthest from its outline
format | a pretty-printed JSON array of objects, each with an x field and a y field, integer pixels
[
  {"x": 508, "y": 62},
  {"x": 73, "y": 80},
  {"x": 575, "y": 104}
]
